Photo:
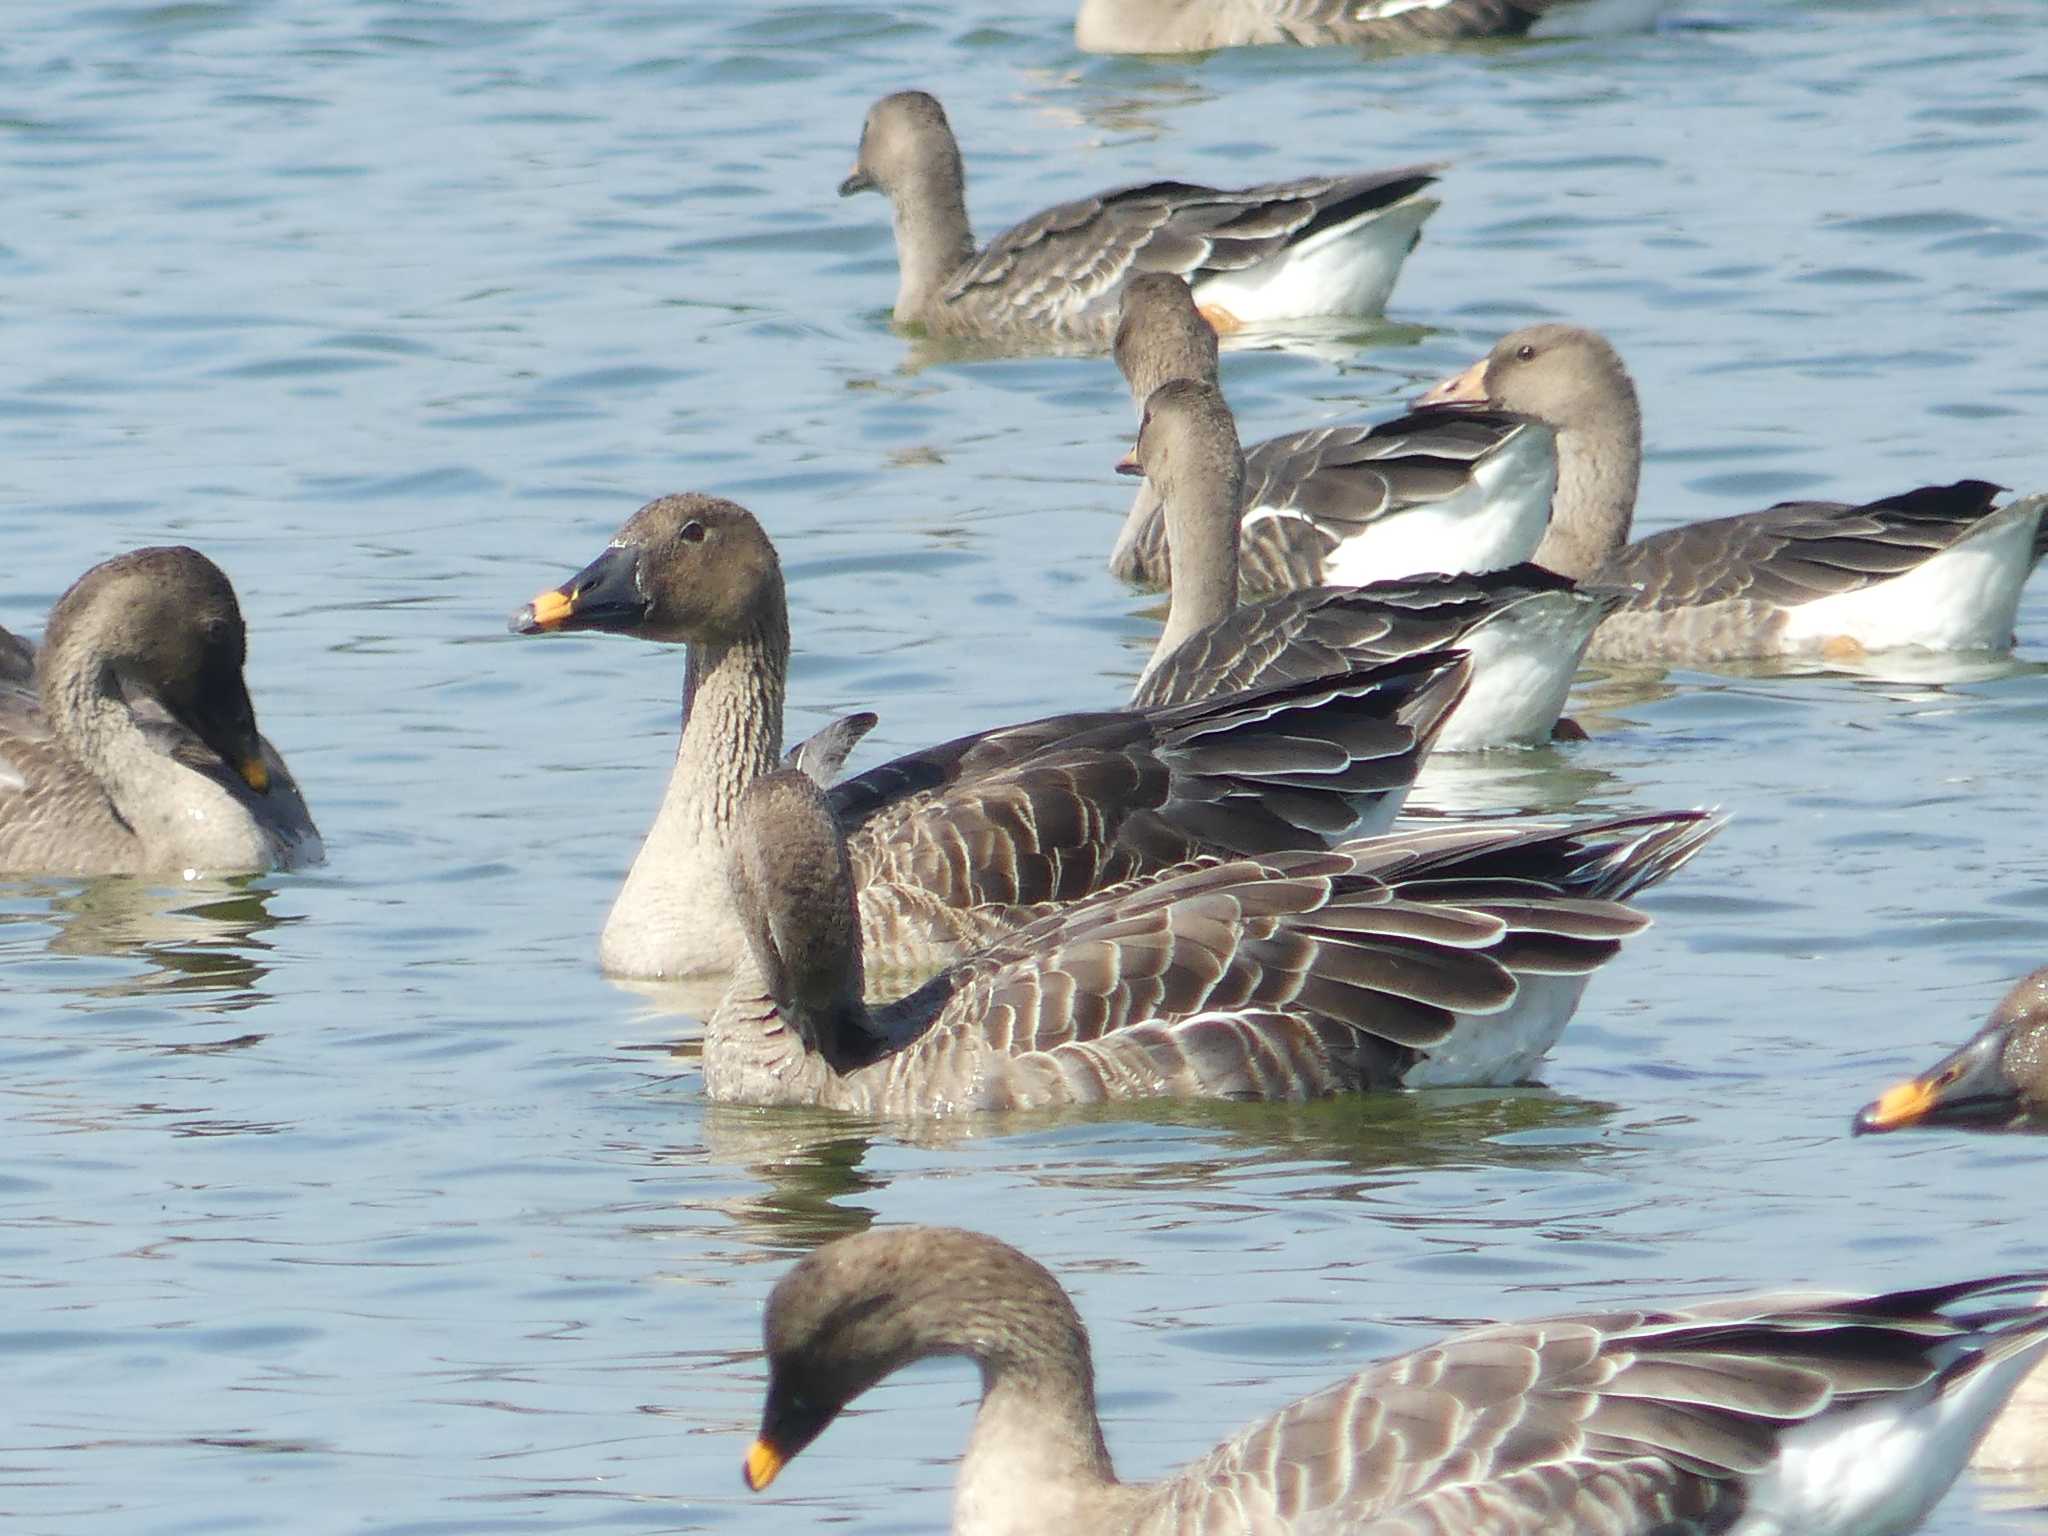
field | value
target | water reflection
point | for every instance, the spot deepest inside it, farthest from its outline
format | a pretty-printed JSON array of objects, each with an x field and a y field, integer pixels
[{"x": 202, "y": 939}]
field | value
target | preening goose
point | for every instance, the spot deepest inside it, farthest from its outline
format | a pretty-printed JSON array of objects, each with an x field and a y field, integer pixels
[
  {"x": 1342, "y": 505},
  {"x": 1438, "y": 957},
  {"x": 1937, "y": 568},
  {"x": 955, "y": 843},
  {"x": 1524, "y": 628},
  {"x": 129, "y": 744},
  {"x": 1747, "y": 1415},
  {"x": 1193, "y": 26},
  {"x": 1318, "y": 245}
]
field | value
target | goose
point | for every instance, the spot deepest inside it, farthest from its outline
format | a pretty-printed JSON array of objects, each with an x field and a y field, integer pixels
[
  {"x": 1438, "y": 957},
  {"x": 1939, "y": 568},
  {"x": 1194, "y": 26},
  {"x": 1318, "y": 245},
  {"x": 1342, "y": 505},
  {"x": 128, "y": 745},
  {"x": 1749, "y": 1415},
  {"x": 954, "y": 843},
  {"x": 1523, "y": 628},
  {"x": 1995, "y": 1080}
]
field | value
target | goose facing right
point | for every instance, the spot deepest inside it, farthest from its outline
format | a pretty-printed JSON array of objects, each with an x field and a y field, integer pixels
[
  {"x": 957, "y": 842},
  {"x": 1441, "y": 957},
  {"x": 1747, "y": 1415},
  {"x": 1317, "y": 245},
  {"x": 1524, "y": 629},
  {"x": 1343, "y": 505},
  {"x": 1939, "y": 568},
  {"x": 128, "y": 745}
]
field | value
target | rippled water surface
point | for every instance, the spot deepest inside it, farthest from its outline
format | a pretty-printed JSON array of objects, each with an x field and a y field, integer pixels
[{"x": 356, "y": 1200}]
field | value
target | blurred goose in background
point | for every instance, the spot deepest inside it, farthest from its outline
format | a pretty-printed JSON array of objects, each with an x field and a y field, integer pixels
[
  {"x": 1524, "y": 628},
  {"x": 1192, "y": 26},
  {"x": 1346, "y": 505},
  {"x": 954, "y": 844},
  {"x": 1318, "y": 245},
  {"x": 1748, "y": 1415},
  {"x": 129, "y": 744},
  {"x": 1938, "y": 568},
  {"x": 1439, "y": 957}
]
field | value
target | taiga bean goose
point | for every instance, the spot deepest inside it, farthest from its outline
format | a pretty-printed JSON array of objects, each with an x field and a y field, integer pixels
[
  {"x": 1439, "y": 957},
  {"x": 1319, "y": 245},
  {"x": 960, "y": 841},
  {"x": 1342, "y": 505},
  {"x": 1524, "y": 629},
  {"x": 1192, "y": 26},
  {"x": 129, "y": 745},
  {"x": 1997, "y": 1079},
  {"x": 1938, "y": 568},
  {"x": 1747, "y": 1415}
]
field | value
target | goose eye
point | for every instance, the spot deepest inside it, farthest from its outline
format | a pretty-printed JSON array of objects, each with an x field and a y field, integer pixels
[
  {"x": 693, "y": 532},
  {"x": 1525, "y": 352}
]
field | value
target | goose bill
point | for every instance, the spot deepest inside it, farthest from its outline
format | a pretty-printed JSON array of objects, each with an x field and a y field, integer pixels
[
  {"x": 1467, "y": 388},
  {"x": 1968, "y": 1087},
  {"x": 605, "y": 594}
]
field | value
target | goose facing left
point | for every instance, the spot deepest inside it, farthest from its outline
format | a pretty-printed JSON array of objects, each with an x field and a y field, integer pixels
[
  {"x": 1317, "y": 245},
  {"x": 1746, "y": 1415},
  {"x": 128, "y": 744}
]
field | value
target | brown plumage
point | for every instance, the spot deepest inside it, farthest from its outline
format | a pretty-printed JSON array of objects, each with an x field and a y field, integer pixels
[
  {"x": 957, "y": 842},
  {"x": 1632, "y": 1421},
  {"x": 129, "y": 744},
  {"x": 1436, "y": 956}
]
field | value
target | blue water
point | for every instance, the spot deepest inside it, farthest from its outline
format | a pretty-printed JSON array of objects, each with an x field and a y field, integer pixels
[{"x": 356, "y": 1200}]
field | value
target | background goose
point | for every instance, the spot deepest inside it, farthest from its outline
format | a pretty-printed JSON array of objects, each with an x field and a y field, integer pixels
[
  {"x": 1524, "y": 629},
  {"x": 1319, "y": 245},
  {"x": 1341, "y": 505},
  {"x": 962, "y": 840},
  {"x": 1748, "y": 1415},
  {"x": 129, "y": 744},
  {"x": 1190, "y": 26},
  {"x": 1937, "y": 568},
  {"x": 1443, "y": 957}
]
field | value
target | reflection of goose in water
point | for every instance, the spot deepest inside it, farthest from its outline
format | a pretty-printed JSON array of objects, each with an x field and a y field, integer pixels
[
  {"x": 198, "y": 937},
  {"x": 133, "y": 748}
]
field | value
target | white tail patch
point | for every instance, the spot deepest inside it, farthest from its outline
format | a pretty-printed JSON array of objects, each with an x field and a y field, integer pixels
[
  {"x": 1966, "y": 598},
  {"x": 1523, "y": 662},
  {"x": 1347, "y": 269},
  {"x": 1496, "y": 520}
]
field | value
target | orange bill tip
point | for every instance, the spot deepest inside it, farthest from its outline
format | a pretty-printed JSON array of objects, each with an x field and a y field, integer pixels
[
  {"x": 1467, "y": 388},
  {"x": 553, "y": 607},
  {"x": 1128, "y": 464},
  {"x": 256, "y": 774},
  {"x": 1899, "y": 1106},
  {"x": 763, "y": 1462}
]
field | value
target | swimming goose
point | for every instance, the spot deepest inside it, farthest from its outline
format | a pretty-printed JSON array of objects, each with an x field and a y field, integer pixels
[
  {"x": 129, "y": 745},
  {"x": 1996, "y": 1079},
  {"x": 957, "y": 842},
  {"x": 1938, "y": 568},
  {"x": 1524, "y": 628},
  {"x": 1747, "y": 1415},
  {"x": 1438, "y": 957},
  {"x": 1193, "y": 26},
  {"x": 1342, "y": 505},
  {"x": 1319, "y": 245}
]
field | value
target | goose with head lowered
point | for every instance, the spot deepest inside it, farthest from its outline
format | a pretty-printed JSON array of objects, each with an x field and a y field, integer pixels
[
  {"x": 1438, "y": 957},
  {"x": 1939, "y": 568},
  {"x": 1317, "y": 245},
  {"x": 128, "y": 743},
  {"x": 1195, "y": 26},
  {"x": 1523, "y": 628},
  {"x": 960, "y": 841},
  {"x": 1995, "y": 1080},
  {"x": 1343, "y": 505},
  {"x": 1825, "y": 1415}
]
